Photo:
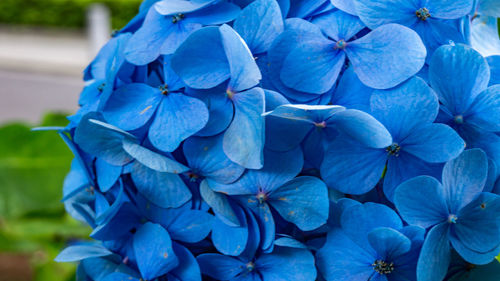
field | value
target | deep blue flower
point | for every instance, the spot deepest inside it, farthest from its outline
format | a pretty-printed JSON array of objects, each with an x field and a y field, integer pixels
[
  {"x": 175, "y": 116},
  {"x": 316, "y": 126},
  {"x": 313, "y": 63},
  {"x": 456, "y": 211},
  {"x": 370, "y": 244},
  {"x": 302, "y": 200},
  {"x": 284, "y": 263},
  {"x": 460, "y": 77},
  {"x": 434, "y": 21},
  {"x": 407, "y": 112},
  {"x": 169, "y": 22}
]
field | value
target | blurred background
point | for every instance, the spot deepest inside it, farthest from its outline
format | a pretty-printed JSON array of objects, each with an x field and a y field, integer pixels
[{"x": 44, "y": 47}]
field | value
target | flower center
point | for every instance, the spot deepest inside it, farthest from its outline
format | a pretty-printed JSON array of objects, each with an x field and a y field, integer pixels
[
  {"x": 321, "y": 124},
  {"x": 261, "y": 196},
  {"x": 250, "y": 266},
  {"x": 193, "y": 176},
  {"x": 230, "y": 93},
  {"x": 423, "y": 13},
  {"x": 452, "y": 218},
  {"x": 177, "y": 18},
  {"x": 393, "y": 149},
  {"x": 341, "y": 44},
  {"x": 100, "y": 88},
  {"x": 459, "y": 119},
  {"x": 164, "y": 89},
  {"x": 383, "y": 267}
]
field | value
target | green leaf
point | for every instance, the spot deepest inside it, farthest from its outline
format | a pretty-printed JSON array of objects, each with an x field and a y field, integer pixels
[{"x": 33, "y": 165}]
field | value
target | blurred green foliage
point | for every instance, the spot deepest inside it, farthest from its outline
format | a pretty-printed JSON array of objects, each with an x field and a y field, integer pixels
[
  {"x": 63, "y": 13},
  {"x": 34, "y": 226}
]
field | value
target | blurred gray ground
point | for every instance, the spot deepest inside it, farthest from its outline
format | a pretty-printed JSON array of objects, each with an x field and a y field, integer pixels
[{"x": 40, "y": 71}]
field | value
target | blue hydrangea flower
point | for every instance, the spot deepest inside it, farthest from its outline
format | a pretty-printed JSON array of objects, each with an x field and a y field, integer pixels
[
  {"x": 316, "y": 126},
  {"x": 230, "y": 65},
  {"x": 302, "y": 200},
  {"x": 434, "y": 21},
  {"x": 313, "y": 63},
  {"x": 407, "y": 112},
  {"x": 284, "y": 263},
  {"x": 456, "y": 212},
  {"x": 370, "y": 244},
  {"x": 460, "y": 77},
  {"x": 168, "y": 23}
]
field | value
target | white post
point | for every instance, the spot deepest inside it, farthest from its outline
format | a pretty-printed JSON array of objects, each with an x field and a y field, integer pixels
[{"x": 98, "y": 27}]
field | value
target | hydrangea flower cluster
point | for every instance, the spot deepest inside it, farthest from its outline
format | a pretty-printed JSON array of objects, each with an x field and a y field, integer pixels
[{"x": 290, "y": 140}]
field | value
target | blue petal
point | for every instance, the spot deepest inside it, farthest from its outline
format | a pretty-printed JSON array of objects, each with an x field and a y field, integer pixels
[
  {"x": 205, "y": 156},
  {"x": 219, "y": 203},
  {"x": 259, "y": 24},
  {"x": 351, "y": 93},
  {"x": 153, "y": 251},
  {"x": 376, "y": 13},
  {"x": 102, "y": 140},
  {"x": 434, "y": 143},
  {"x": 338, "y": 25},
  {"x": 358, "y": 220},
  {"x": 404, "y": 167},
  {"x": 287, "y": 264},
  {"x": 484, "y": 36},
  {"x": 304, "y": 8},
  {"x": 342, "y": 259},
  {"x": 163, "y": 189},
  {"x": 230, "y": 240},
  {"x": 219, "y": 106},
  {"x": 244, "y": 139},
  {"x": 435, "y": 256},
  {"x": 153, "y": 160},
  {"x": 489, "y": 8},
  {"x": 387, "y": 56},
  {"x": 177, "y": 34},
  {"x": 180, "y": 6},
  {"x": 81, "y": 252},
  {"x": 450, "y": 9},
  {"x": 421, "y": 202},
  {"x": 220, "y": 267},
  {"x": 312, "y": 66},
  {"x": 118, "y": 276},
  {"x": 145, "y": 44},
  {"x": 388, "y": 243},
  {"x": 188, "y": 268},
  {"x": 458, "y": 74},
  {"x": 413, "y": 102},
  {"x": 107, "y": 174},
  {"x": 302, "y": 201},
  {"x": 361, "y": 127},
  {"x": 201, "y": 61},
  {"x": 352, "y": 168},
  {"x": 464, "y": 178},
  {"x": 131, "y": 106},
  {"x": 347, "y": 6},
  {"x": 484, "y": 112},
  {"x": 177, "y": 118},
  {"x": 245, "y": 73},
  {"x": 477, "y": 224},
  {"x": 215, "y": 14}
]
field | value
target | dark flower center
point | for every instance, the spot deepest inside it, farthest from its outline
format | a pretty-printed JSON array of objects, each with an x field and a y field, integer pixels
[
  {"x": 393, "y": 149},
  {"x": 452, "y": 218},
  {"x": 383, "y": 267},
  {"x": 177, "y": 18},
  {"x": 459, "y": 119},
  {"x": 341, "y": 44},
  {"x": 230, "y": 93},
  {"x": 164, "y": 89},
  {"x": 261, "y": 196},
  {"x": 193, "y": 176},
  {"x": 423, "y": 13},
  {"x": 100, "y": 88}
]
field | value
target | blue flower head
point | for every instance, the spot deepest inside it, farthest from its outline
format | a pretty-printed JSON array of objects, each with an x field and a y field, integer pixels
[{"x": 457, "y": 212}]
